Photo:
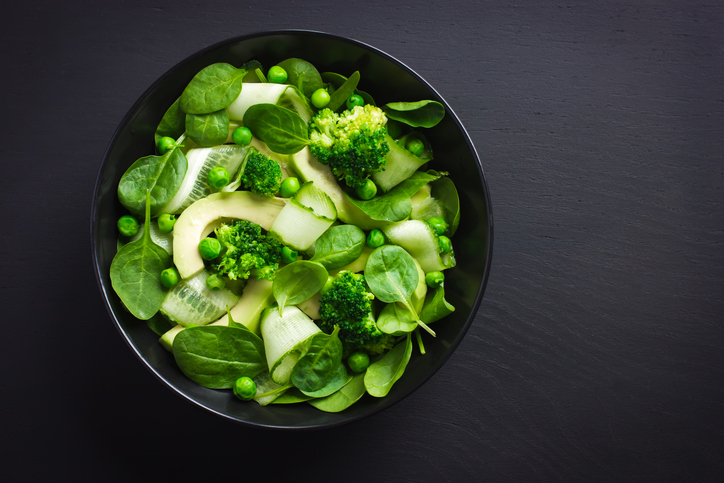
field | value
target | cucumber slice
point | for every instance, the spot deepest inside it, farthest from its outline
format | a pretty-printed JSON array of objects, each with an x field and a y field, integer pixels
[
  {"x": 283, "y": 95},
  {"x": 400, "y": 164},
  {"x": 256, "y": 297},
  {"x": 306, "y": 216},
  {"x": 420, "y": 240},
  {"x": 191, "y": 302}
]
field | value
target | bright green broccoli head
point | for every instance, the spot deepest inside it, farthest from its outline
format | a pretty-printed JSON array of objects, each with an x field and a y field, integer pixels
[
  {"x": 262, "y": 175},
  {"x": 352, "y": 143},
  {"x": 244, "y": 249},
  {"x": 348, "y": 305}
]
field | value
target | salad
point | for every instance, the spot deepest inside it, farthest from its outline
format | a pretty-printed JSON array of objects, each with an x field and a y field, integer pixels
[{"x": 288, "y": 240}]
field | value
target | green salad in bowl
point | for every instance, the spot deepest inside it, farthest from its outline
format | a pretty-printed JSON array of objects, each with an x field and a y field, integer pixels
[{"x": 285, "y": 219}]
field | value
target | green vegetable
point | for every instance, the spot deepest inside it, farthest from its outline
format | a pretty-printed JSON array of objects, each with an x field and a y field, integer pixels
[
  {"x": 438, "y": 224},
  {"x": 353, "y": 143},
  {"x": 302, "y": 74},
  {"x": 282, "y": 130},
  {"x": 192, "y": 302},
  {"x": 416, "y": 114},
  {"x": 435, "y": 307},
  {"x": 289, "y": 255},
  {"x": 381, "y": 375},
  {"x": 327, "y": 285},
  {"x": 355, "y": 100},
  {"x": 215, "y": 282},
  {"x": 209, "y": 248},
  {"x": 245, "y": 388},
  {"x": 367, "y": 191},
  {"x": 359, "y": 361},
  {"x": 320, "y": 98},
  {"x": 415, "y": 146},
  {"x": 165, "y": 144},
  {"x": 376, "y": 238},
  {"x": 306, "y": 216},
  {"x": 212, "y": 89},
  {"x": 444, "y": 190},
  {"x": 216, "y": 356},
  {"x": 128, "y": 225},
  {"x": 166, "y": 222},
  {"x": 421, "y": 241},
  {"x": 289, "y": 187},
  {"x": 170, "y": 277},
  {"x": 298, "y": 281},
  {"x": 208, "y": 129},
  {"x": 336, "y": 381},
  {"x": 434, "y": 279},
  {"x": 161, "y": 175},
  {"x": 218, "y": 177},
  {"x": 339, "y": 246},
  {"x": 136, "y": 272},
  {"x": 445, "y": 244},
  {"x": 319, "y": 362},
  {"x": 245, "y": 248},
  {"x": 260, "y": 174},
  {"x": 173, "y": 123},
  {"x": 342, "y": 399},
  {"x": 241, "y": 136},
  {"x": 342, "y": 93},
  {"x": 277, "y": 75},
  {"x": 396, "y": 320}
]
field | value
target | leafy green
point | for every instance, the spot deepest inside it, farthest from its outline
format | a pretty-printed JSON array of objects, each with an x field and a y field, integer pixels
[
  {"x": 435, "y": 306},
  {"x": 136, "y": 272},
  {"x": 318, "y": 363},
  {"x": 173, "y": 123},
  {"x": 382, "y": 374},
  {"x": 396, "y": 320},
  {"x": 297, "y": 282},
  {"x": 338, "y": 99},
  {"x": 336, "y": 382},
  {"x": 444, "y": 190},
  {"x": 212, "y": 89},
  {"x": 416, "y": 114},
  {"x": 302, "y": 74},
  {"x": 208, "y": 130},
  {"x": 344, "y": 398},
  {"x": 284, "y": 131},
  {"x": 340, "y": 245},
  {"x": 292, "y": 396},
  {"x": 161, "y": 175}
]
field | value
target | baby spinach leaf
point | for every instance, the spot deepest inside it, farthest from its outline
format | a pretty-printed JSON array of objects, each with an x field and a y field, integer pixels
[
  {"x": 416, "y": 114},
  {"x": 445, "y": 191},
  {"x": 319, "y": 363},
  {"x": 213, "y": 88},
  {"x": 292, "y": 396},
  {"x": 396, "y": 204},
  {"x": 396, "y": 320},
  {"x": 338, "y": 99},
  {"x": 208, "y": 130},
  {"x": 136, "y": 272},
  {"x": 173, "y": 123},
  {"x": 160, "y": 175},
  {"x": 344, "y": 398},
  {"x": 215, "y": 356},
  {"x": 435, "y": 307},
  {"x": 297, "y": 282},
  {"x": 337, "y": 381},
  {"x": 339, "y": 246},
  {"x": 382, "y": 374},
  {"x": 284, "y": 131},
  {"x": 302, "y": 74}
]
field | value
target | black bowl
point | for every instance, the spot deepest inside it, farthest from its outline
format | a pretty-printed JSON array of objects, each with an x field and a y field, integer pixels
[{"x": 387, "y": 80}]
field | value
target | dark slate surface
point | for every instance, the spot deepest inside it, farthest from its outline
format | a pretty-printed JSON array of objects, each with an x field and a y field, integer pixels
[{"x": 598, "y": 351}]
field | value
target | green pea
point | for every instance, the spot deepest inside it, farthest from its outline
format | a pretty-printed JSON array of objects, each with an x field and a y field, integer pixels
[
  {"x": 170, "y": 277},
  {"x": 375, "y": 238},
  {"x": 209, "y": 248},
  {"x": 128, "y": 225},
  {"x": 320, "y": 98},
  {"x": 445, "y": 244},
  {"x": 289, "y": 187},
  {"x": 215, "y": 282},
  {"x": 434, "y": 279},
  {"x": 415, "y": 146},
  {"x": 367, "y": 191},
  {"x": 245, "y": 388},
  {"x": 289, "y": 255},
  {"x": 241, "y": 136},
  {"x": 165, "y": 144},
  {"x": 327, "y": 285},
  {"x": 277, "y": 75},
  {"x": 438, "y": 224},
  {"x": 355, "y": 100},
  {"x": 359, "y": 361},
  {"x": 218, "y": 177},
  {"x": 166, "y": 221}
]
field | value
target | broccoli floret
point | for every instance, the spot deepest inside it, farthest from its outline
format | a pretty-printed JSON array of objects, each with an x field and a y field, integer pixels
[
  {"x": 348, "y": 305},
  {"x": 351, "y": 143},
  {"x": 245, "y": 250},
  {"x": 261, "y": 174}
]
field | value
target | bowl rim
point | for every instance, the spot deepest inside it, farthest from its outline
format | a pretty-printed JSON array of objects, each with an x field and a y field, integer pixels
[{"x": 390, "y": 401}]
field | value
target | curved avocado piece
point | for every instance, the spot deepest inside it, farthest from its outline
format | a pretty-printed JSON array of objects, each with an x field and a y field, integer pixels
[
  {"x": 256, "y": 297},
  {"x": 308, "y": 168},
  {"x": 206, "y": 214}
]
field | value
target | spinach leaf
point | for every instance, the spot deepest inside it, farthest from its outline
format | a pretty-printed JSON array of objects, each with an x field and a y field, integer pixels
[
  {"x": 344, "y": 398},
  {"x": 136, "y": 272},
  {"x": 338, "y": 381},
  {"x": 160, "y": 175},
  {"x": 392, "y": 276},
  {"x": 215, "y": 356},
  {"x": 396, "y": 204},
  {"x": 302, "y": 74},
  {"x": 173, "y": 123},
  {"x": 396, "y": 320},
  {"x": 444, "y": 190},
  {"x": 338, "y": 99},
  {"x": 435, "y": 307},
  {"x": 416, "y": 114},
  {"x": 382, "y": 374},
  {"x": 340, "y": 245},
  {"x": 292, "y": 396},
  {"x": 297, "y": 282},
  {"x": 284, "y": 131},
  {"x": 208, "y": 130},
  {"x": 319, "y": 362},
  {"x": 159, "y": 324},
  {"x": 212, "y": 89},
  {"x": 335, "y": 81}
]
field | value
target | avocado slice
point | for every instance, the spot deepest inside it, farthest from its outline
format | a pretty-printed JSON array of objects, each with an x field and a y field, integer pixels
[
  {"x": 256, "y": 297},
  {"x": 206, "y": 214}
]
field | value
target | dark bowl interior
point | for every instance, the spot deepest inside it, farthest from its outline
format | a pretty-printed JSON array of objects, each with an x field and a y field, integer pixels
[{"x": 387, "y": 80}]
